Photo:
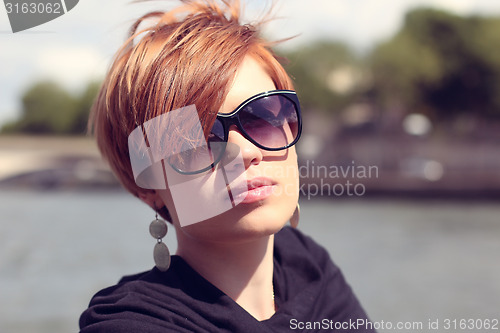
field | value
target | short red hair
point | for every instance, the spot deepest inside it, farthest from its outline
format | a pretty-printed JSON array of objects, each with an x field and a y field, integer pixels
[{"x": 187, "y": 56}]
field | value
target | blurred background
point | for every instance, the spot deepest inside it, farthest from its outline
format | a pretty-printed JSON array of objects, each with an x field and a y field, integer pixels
[{"x": 399, "y": 159}]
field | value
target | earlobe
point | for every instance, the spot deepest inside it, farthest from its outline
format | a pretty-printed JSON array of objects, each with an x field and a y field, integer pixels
[
  {"x": 294, "y": 220},
  {"x": 151, "y": 198}
]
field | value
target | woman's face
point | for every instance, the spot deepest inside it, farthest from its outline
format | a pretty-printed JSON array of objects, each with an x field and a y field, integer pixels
[{"x": 270, "y": 179}]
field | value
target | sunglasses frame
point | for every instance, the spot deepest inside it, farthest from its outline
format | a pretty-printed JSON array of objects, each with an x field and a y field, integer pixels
[
  {"x": 232, "y": 118},
  {"x": 228, "y": 119}
]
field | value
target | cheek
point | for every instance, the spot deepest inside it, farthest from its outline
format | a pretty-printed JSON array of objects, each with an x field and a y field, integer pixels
[
  {"x": 291, "y": 183},
  {"x": 286, "y": 172},
  {"x": 196, "y": 198}
]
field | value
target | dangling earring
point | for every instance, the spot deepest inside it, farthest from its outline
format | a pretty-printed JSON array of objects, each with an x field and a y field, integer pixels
[
  {"x": 294, "y": 220},
  {"x": 158, "y": 229}
]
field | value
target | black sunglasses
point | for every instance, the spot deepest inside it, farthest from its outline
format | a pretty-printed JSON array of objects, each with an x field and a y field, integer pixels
[{"x": 270, "y": 120}]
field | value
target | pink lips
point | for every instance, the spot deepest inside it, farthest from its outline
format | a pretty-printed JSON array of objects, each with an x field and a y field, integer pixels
[{"x": 258, "y": 189}]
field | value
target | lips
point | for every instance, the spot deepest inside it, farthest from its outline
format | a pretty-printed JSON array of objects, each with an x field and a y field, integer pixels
[
  {"x": 259, "y": 182},
  {"x": 257, "y": 189}
]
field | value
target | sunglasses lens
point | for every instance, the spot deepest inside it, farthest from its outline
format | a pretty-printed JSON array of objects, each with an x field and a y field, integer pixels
[
  {"x": 216, "y": 141},
  {"x": 271, "y": 121},
  {"x": 198, "y": 159}
]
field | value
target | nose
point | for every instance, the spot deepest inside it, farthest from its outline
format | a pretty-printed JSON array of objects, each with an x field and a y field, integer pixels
[{"x": 251, "y": 154}]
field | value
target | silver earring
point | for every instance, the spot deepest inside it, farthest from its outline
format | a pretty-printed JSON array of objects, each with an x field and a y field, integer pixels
[
  {"x": 158, "y": 229},
  {"x": 294, "y": 220}
]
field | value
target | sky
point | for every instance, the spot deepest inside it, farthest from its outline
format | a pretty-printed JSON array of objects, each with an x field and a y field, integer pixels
[{"x": 78, "y": 46}]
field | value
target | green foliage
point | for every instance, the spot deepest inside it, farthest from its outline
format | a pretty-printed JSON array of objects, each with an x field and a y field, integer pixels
[
  {"x": 83, "y": 106},
  {"x": 49, "y": 109},
  {"x": 440, "y": 62},
  {"x": 312, "y": 68}
]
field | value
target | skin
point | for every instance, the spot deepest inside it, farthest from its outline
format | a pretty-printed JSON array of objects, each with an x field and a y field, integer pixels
[{"x": 234, "y": 250}]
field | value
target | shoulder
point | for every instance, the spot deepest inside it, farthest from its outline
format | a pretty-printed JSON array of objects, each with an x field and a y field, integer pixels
[
  {"x": 125, "y": 307},
  {"x": 296, "y": 238},
  {"x": 300, "y": 262},
  {"x": 293, "y": 245},
  {"x": 153, "y": 301},
  {"x": 307, "y": 278}
]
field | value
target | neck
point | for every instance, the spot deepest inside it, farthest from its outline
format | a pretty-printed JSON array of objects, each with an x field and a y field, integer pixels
[{"x": 243, "y": 271}]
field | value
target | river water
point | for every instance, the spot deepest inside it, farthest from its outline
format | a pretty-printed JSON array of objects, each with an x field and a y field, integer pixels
[{"x": 408, "y": 261}]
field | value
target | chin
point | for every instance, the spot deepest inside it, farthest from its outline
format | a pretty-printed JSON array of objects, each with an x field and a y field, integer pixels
[
  {"x": 268, "y": 216},
  {"x": 245, "y": 222},
  {"x": 265, "y": 219}
]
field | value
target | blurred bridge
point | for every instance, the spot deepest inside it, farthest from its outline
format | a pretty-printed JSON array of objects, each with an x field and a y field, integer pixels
[{"x": 50, "y": 162}]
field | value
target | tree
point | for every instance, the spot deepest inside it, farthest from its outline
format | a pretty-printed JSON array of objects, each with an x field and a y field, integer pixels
[
  {"x": 83, "y": 106},
  {"x": 47, "y": 108},
  {"x": 326, "y": 74},
  {"x": 440, "y": 62}
]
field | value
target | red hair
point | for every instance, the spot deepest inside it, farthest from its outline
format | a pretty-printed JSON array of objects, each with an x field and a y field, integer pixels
[{"x": 187, "y": 56}]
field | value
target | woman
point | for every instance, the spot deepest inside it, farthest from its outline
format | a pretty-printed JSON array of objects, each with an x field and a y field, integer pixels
[{"x": 198, "y": 119}]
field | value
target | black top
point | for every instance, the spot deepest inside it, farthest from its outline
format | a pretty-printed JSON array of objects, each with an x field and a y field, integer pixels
[{"x": 310, "y": 293}]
